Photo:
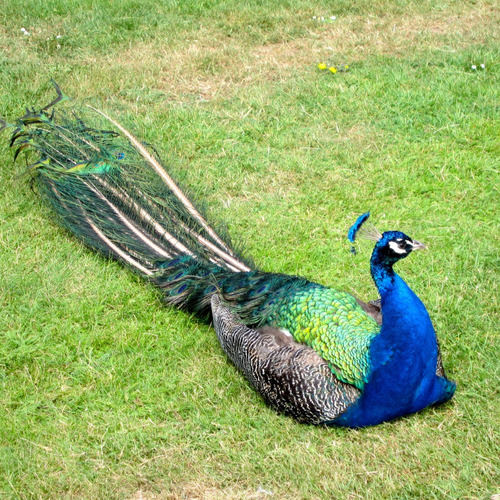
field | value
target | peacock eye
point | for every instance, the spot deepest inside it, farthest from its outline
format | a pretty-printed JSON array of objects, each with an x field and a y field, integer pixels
[{"x": 398, "y": 246}]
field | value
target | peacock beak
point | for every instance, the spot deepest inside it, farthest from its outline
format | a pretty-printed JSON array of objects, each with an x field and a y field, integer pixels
[{"x": 418, "y": 246}]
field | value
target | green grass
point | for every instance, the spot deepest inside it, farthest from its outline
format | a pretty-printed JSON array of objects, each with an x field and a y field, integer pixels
[{"x": 104, "y": 393}]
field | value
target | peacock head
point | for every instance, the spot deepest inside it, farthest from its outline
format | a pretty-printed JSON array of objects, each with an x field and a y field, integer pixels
[
  {"x": 391, "y": 246},
  {"x": 395, "y": 245}
]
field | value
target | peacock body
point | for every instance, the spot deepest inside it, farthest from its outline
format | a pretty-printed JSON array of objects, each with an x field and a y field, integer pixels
[{"x": 316, "y": 353}]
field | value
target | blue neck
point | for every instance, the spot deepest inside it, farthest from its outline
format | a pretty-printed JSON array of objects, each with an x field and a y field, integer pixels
[{"x": 403, "y": 356}]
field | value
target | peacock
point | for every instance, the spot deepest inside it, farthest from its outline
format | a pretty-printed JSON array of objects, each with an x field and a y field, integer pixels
[{"x": 315, "y": 353}]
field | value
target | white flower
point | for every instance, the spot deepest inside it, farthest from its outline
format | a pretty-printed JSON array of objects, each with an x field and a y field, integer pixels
[
  {"x": 474, "y": 66},
  {"x": 314, "y": 17},
  {"x": 322, "y": 18},
  {"x": 58, "y": 36},
  {"x": 333, "y": 18},
  {"x": 483, "y": 66},
  {"x": 23, "y": 29}
]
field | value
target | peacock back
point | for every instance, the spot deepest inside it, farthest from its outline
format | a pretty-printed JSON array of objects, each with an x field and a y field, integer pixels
[{"x": 333, "y": 324}]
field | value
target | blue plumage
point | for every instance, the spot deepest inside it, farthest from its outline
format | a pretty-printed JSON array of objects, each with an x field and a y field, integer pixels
[{"x": 406, "y": 374}]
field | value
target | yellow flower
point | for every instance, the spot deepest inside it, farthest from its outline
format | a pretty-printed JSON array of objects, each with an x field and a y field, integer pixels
[
  {"x": 346, "y": 66},
  {"x": 322, "y": 66},
  {"x": 333, "y": 69}
]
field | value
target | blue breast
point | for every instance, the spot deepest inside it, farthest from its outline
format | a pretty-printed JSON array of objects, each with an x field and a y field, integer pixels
[{"x": 403, "y": 361}]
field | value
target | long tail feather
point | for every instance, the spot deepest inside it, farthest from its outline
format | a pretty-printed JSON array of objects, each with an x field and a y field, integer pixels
[
  {"x": 173, "y": 186},
  {"x": 112, "y": 192}
]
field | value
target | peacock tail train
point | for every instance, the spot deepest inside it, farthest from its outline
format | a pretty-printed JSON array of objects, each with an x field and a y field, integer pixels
[{"x": 113, "y": 192}]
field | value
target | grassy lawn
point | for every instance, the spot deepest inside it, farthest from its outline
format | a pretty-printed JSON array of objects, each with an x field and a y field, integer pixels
[{"x": 104, "y": 393}]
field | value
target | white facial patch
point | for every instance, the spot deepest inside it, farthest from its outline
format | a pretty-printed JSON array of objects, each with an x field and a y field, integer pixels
[{"x": 396, "y": 248}]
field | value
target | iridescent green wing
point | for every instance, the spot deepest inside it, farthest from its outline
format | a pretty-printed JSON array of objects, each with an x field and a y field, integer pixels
[{"x": 334, "y": 325}]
